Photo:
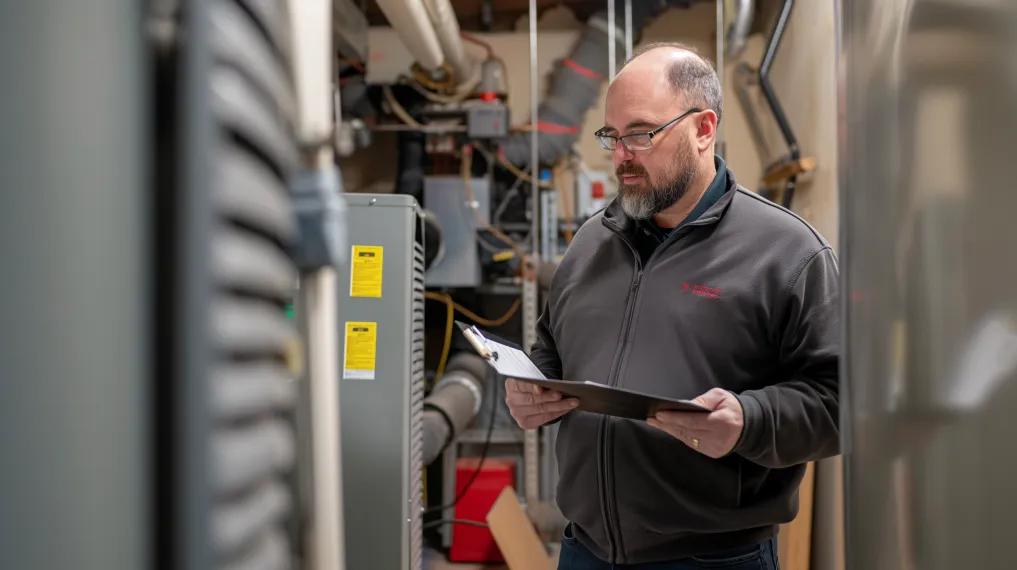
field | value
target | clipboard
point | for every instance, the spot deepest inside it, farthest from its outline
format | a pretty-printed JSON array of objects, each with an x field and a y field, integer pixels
[{"x": 509, "y": 360}]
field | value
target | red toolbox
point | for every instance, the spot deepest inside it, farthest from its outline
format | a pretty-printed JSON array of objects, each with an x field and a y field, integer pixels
[{"x": 472, "y": 543}]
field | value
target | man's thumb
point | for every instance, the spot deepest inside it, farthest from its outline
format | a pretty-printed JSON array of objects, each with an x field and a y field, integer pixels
[{"x": 712, "y": 399}]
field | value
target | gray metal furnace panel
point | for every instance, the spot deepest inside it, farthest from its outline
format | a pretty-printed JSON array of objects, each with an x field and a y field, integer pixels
[
  {"x": 76, "y": 362},
  {"x": 448, "y": 198},
  {"x": 381, "y": 433}
]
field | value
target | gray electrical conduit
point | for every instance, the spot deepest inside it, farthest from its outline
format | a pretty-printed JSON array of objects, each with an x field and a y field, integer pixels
[{"x": 453, "y": 403}]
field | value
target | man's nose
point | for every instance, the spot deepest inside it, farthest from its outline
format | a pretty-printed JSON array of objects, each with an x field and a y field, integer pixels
[{"x": 621, "y": 153}]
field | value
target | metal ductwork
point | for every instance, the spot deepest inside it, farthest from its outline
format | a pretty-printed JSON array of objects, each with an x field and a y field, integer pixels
[
  {"x": 575, "y": 85},
  {"x": 453, "y": 404}
]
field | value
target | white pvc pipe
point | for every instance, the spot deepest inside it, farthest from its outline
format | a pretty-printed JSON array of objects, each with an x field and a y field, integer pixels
[
  {"x": 446, "y": 27},
  {"x": 410, "y": 20},
  {"x": 327, "y": 540},
  {"x": 311, "y": 22}
]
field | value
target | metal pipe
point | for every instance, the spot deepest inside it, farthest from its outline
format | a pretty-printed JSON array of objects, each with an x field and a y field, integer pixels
[
  {"x": 771, "y": 96},
  {"x": 738, "y": 32},
  {"x": 720, "y": 69},
  {"x": 612, "y": 31},
  {"x": 628, "y": 30}
]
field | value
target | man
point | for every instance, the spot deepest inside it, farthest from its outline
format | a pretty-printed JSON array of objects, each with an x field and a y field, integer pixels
[{"x": 686, "y": 285}]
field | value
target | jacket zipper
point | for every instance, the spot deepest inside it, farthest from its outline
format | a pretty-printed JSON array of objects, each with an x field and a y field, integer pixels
[
  {"x": 613, "y": 533},
  {"x": 606, "y": 496}
]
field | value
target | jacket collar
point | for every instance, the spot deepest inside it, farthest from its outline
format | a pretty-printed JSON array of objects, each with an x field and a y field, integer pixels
[{"x": 616, "y": 219}]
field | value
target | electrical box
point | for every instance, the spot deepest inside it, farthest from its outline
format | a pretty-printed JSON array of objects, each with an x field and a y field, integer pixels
[
  {"x": 381, "y": 381},
  {"x": 594, "y": 189},
  {"x": 487, "y": 120},
  {"x": 459, "y": 211}
]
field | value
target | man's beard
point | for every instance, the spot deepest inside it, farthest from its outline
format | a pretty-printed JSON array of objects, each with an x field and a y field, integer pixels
[{"x": 642, "y": 202}]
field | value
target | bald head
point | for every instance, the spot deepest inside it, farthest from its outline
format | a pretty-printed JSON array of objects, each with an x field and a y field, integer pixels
[
  {"x": 687, "y": 74},
  {"x": 669, "y": 98}
]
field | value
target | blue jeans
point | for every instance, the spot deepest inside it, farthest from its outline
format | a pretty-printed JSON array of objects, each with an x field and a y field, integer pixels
[{"x": 762, "y": 556}]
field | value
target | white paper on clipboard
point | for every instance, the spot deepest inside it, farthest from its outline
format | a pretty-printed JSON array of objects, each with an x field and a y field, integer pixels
[{"x": 507, "y": 360}]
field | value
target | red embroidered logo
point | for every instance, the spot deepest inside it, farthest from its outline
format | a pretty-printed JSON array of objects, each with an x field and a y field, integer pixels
[{"x": 701, "y": 290}]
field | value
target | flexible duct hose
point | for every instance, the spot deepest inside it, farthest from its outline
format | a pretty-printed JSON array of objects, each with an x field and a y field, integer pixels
[{"x": 575, "y": 85}]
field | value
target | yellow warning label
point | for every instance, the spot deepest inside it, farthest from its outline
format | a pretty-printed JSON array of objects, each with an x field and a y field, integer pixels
[
  {"x": 365, "y": 278},
  {"x": 361, "y": 350}
]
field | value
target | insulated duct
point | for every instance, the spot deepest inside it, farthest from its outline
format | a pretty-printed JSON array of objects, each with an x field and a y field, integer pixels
[
  {"x": 446, "y": 27},
  {"x": 410, "y": 20},
  {"x": 453, "y": 403},
  {"x": 575, "y": 85}
]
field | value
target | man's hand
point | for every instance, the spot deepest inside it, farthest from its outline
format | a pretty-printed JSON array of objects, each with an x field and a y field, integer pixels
[
  {"x": 533, "y": 406},
  {"x": 714, "y": 434}
]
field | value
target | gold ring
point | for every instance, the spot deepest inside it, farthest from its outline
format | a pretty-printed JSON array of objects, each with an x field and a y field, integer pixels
[{"x": 695, "y": 442}]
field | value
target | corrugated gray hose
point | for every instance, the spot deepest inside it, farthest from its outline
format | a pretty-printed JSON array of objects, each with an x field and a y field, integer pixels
[{"x": 575, "y": 84}]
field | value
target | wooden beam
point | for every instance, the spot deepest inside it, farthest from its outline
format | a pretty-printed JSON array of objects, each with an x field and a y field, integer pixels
[
  {"x": 795, "y": 539},
  {"x": 781, "y": 171}
]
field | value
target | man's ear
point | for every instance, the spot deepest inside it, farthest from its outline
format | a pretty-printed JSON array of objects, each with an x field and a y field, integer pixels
[{"x": 706, "y": 129}]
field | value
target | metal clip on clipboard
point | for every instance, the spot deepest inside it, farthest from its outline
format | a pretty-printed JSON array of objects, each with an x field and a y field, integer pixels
[{"x": 473, "y": 336}]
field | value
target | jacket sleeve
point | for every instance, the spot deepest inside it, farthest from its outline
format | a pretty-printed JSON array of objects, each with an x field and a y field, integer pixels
[
  {"x": 797, "y": 419},
  {"x": 544, "y": 352}
]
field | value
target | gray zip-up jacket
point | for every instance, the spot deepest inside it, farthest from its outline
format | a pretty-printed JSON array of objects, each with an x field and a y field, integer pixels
[{"x": 744, "y": 298}]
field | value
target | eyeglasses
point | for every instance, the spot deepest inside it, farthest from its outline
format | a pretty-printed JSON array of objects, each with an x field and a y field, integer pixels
[{"x": 637, "y": 141}]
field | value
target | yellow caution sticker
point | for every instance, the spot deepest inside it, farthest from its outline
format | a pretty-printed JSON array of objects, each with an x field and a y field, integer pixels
[
  {"x": 503, "y": 255},
  {"x": 361, "y": 350},
  {"x": 367, "y": 271}
]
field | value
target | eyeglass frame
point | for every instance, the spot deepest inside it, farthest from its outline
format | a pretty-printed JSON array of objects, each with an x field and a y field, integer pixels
[{"x": 601, "y": 135}]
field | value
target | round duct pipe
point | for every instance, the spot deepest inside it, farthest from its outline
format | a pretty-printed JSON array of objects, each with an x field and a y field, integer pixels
[
  {"x": 446, "y": 27},
  {"x": 453, "y": 403},
  {"x": 411, "y": 21}
]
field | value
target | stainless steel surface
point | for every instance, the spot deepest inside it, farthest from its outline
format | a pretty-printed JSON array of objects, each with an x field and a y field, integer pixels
[
  {"x": 75, "y": 362},
  {"x": 311, "y": 27},
  {"x": 738, "y": 31},
  {"x": 530, "y": 443},
  {"x": 321, "y": 324},
  {"x": 928, "y": 134},
  {"x": 381, "y": 417},
  {"x": 548, "y": 224}
]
